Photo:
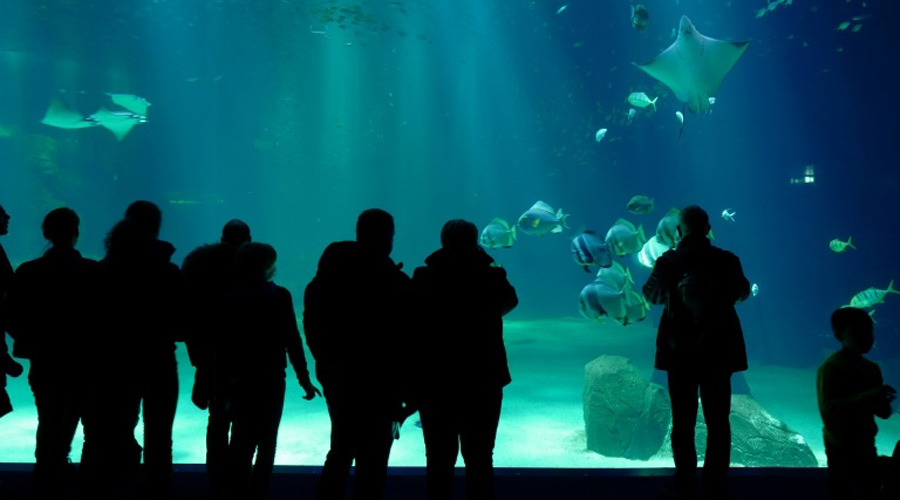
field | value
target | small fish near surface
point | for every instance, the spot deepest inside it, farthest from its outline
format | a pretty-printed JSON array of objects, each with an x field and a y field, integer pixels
[
  {"x": 641, "y": 100},
  {"x": 640, "y": 205},
  {"x": 630, "y": 116},
  {"x": 600, "y": 134},
  {"x": 639, "y": 18},
  {"x": 839, "y": 246},
  {"x": 871, "y": 296},
  {"x": 540, "y": 219},
  {"x": 624, "y": 238},
  {"x": 589, "y": 249},
  {"x": 498, "y": 234},
  {"x": 728, "y": 214}
]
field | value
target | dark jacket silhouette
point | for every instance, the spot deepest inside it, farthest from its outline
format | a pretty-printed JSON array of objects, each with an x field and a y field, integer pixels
[
  {"x": 355, "y": 320},
  {"x": 716, "y": 342},
  {"x": 461, "y": 299},
  {"x": 52, "y": 312},
  {"x": 700, "y": 344}
]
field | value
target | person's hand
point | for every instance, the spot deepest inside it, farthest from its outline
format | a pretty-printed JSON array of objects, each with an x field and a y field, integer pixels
[
  {"x": 888, "y": 393},
  {"x": 201, "y": 393},
  {"x": 310, "y": 389}
]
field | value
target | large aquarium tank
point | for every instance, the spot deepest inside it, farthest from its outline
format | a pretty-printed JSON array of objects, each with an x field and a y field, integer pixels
[{"x": 296, "y": 115}]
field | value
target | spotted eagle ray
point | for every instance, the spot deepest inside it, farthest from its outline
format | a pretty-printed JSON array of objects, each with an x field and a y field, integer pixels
[
  {"x": 118, "y": 122},
  {"x": 694, "y": 65}
]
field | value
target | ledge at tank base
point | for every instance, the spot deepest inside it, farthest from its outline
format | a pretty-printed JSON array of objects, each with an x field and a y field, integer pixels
[{"x": 292, "y": 482}]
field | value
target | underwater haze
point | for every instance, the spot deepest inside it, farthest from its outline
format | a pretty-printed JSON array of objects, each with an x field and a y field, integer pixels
[{"x": 295, "y": 116}]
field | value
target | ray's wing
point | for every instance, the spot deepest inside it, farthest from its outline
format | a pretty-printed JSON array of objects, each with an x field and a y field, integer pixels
[
  {"x": 669, "y": 68},
  {"x": 61, "y": 116},
  {"x": 117, "y": 123},
  {"x": 719, "y": 57},
  {"x": 133, "y": 103}
]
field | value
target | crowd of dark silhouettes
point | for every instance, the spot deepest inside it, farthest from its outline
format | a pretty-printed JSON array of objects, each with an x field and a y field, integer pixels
[{"x": 100, "y": 337}]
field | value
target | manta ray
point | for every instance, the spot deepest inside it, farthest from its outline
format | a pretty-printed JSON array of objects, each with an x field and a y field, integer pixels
[
  {"x": 694, "y": 65},
  {"x": 118, "y": 122}
]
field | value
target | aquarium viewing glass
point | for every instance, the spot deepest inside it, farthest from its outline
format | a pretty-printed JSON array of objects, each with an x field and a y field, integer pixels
[{"x": 296, "y": 115}]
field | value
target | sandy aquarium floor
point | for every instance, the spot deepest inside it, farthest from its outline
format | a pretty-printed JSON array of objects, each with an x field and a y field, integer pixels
[{"x": 541, "y": 425}]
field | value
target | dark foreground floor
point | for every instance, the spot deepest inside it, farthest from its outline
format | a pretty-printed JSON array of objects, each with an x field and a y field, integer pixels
[{"x": 296, "y": 483}]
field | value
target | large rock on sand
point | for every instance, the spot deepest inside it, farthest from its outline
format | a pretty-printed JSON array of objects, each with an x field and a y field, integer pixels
[
  {"x": 758, "y": 439},
  {"x": 625, "y": 415}
]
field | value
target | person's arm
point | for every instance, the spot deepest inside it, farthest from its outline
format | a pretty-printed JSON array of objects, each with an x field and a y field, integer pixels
[
  {"x": 294, "y": 344},
  {"x": 505, "y": 293},
  {"x": 886, "y": 394},
  {"x": 655, "y": 290},
  {"x": 834, "y": 407},
  {"x": 741, "y": 285}
]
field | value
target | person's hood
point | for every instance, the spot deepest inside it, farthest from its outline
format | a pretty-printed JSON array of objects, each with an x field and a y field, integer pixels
[{"x": 473, "y": 257}]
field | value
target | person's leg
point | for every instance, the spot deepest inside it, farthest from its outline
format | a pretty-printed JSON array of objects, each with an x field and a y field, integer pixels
[
  {"x": 441, "y": 432},
  {"x": 51, "y": 449},
  {"x": 839, "y": 481},
  {"x": 160, "y": 401},
  {"x": 244, "y": 439},
  {"x": 333, "y": 482},
  {"x": 715, "y": 396},
  {"x": 270, "y": 418},
  {"x": 217, "y": 431},
  {"x": 373, "y": 441},
  {"x": 477, "y": 436},
  {"x": 683, "y": 387}
]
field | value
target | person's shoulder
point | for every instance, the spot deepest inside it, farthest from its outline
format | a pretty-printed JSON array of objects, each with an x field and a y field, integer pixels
[{"x": 282, "y": 293}]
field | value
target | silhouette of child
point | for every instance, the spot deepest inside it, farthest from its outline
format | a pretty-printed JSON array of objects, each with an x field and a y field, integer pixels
[{"x": 851, "y": 393}]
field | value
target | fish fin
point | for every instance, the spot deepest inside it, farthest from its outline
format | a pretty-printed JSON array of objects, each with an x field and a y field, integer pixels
[
  {"x": 557, "y": 229},
  {"x": 628, "y": 275},
  {"x": 642, "y": 237},
  {"x": 562, "y": 219},
  {"x": 653, "y": 103},
  {"x": 587, "y": 268},
  {"x": 627, "y": 223},
  {"x": 500, "y": 222},
  {"x": 61, "y": 116},
  {"x": 513, "y": 230},
  {"x": 711, "y": 235},
  {"x": 850, "y": 244},
  {"x": 540, "y": 205},
  {"x": 872, "y": 315}
]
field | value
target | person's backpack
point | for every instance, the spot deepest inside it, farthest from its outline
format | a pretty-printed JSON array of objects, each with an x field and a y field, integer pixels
[{"x": 696, "y": 292}]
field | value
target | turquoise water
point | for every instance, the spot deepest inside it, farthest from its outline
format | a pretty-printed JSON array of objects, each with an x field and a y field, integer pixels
[{"x": 296, "y": 115}]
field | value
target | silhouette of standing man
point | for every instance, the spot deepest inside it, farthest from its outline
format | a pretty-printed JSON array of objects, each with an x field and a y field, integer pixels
[
  {"x": 464, "y": 366},
  {"x": 354, "y": 322},
  {"x": 700, "y": 344}
]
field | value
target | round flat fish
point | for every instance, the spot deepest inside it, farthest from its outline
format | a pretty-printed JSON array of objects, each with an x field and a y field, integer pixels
[{"x": 589, "y": 249}]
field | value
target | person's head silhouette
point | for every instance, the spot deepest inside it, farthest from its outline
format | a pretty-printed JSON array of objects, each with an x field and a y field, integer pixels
[
  {"x": 693, "y": 220},
  {"x": 375, "y": 231},
  {"x": 458, "y": 235},
  {"x": 854, "y": 329},
  {"x": 235, "y": 233},
  {"x": 60, "y": 227},
  {"x": 255, "y": 262},
  {"x": 145, "y": 217}
]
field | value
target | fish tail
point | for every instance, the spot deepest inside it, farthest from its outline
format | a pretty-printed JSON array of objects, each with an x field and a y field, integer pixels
[
  {"x": 562, "y": 218},
  {"x": 850, "y": 244},
  {"x": 890, "y": 288},
  {"x": 653, "y": 103},
  {"x": 643, "y": 237},
  {"x": 514, "y": 233}
]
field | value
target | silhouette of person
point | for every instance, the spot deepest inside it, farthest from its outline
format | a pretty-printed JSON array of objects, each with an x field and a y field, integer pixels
[
  {"x": 354, "y": 320},
  {"x": 851, "y": 394},
  {"x": 250, "y": 360},
  {"x": 50, "y": 319},
  {"x": 142, "y": 296},
  {"x": 700, "y": 344},
  {"x": 463, "y": 359},
  {"x": 8, "y": 366},
  {"x": 209, "y": 276}
]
